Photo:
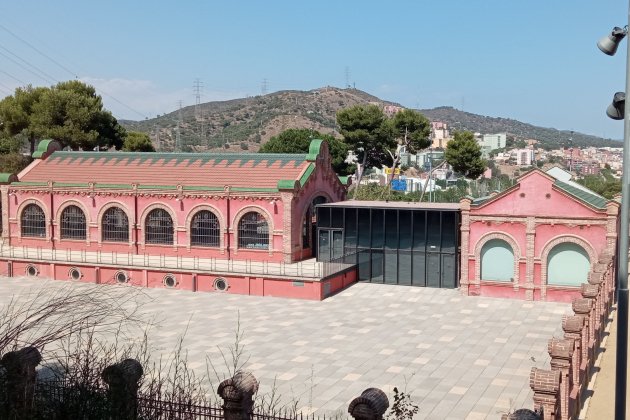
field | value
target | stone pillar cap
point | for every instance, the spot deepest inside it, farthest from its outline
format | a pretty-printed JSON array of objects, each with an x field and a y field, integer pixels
[
  {"x": 371, "y": 404},
  {"x": 28, "y": 355},
  {"x": 126, "y": 371},
  {"x": 572, "y": 324}
]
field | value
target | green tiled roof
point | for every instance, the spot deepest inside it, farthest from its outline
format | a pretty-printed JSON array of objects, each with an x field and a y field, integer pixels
[
  {"x": 587, "y": 197},
  {"x": 123, "y": 158}
]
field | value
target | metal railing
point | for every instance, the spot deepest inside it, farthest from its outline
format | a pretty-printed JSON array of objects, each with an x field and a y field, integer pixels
[{"x": 304, "y": 269}]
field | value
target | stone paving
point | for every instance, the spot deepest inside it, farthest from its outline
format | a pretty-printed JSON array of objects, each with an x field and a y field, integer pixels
[{"x": 459, "y": 357}]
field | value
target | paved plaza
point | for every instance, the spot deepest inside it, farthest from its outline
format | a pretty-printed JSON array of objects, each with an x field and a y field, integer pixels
[{"x": 459, "y": 357}]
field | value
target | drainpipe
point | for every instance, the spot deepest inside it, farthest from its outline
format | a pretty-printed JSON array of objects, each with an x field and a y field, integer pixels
[
  {"x": 52, "y": 217},
  {"x": 135, "y": 215},
  {"x": 228, "y": 221}
]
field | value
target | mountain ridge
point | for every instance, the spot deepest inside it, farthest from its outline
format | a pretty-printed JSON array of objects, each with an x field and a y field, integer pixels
[{"x": 246, "y": 123}]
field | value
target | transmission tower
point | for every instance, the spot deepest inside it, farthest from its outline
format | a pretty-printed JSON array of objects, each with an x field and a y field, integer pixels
[
  {"x": 197, "y": 89},
  {"x": 263, "y": 87},
  {"x": 347, "y": 77}
]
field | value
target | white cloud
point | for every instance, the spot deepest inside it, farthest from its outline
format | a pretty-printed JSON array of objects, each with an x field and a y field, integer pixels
[{"x": 136, "y": 99}]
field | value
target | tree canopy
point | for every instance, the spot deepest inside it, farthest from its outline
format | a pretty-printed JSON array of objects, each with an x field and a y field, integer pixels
[
  {"x": 70, "y": 112},
  {"x": 463, "y": 153},
  {"x": 297, "y": 140},
  {"x": 412, "y": 129},
  {"x": 137, "y": 142},
  {"x": 366, "y": 134}
]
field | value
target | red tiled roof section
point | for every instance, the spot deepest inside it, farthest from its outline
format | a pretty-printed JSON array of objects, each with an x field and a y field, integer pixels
[{"x": 254, "y": 170}]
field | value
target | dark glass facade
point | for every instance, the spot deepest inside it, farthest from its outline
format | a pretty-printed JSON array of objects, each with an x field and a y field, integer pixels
[{"x": 412, "y": 246}]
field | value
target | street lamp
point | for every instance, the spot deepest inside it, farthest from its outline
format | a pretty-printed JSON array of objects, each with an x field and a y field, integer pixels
[{"x": 617, "y": 110}]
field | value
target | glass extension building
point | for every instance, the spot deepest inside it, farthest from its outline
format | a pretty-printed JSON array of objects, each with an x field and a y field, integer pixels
[{"x": 414, "y": 244}]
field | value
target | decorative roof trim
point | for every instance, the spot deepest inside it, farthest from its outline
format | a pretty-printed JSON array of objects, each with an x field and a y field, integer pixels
[
  {"x": 314, "y": 149},
  {"x": 7, "y": 178},
  {"x": 307, "y": 173},
  {"x": 45, "y": 148}
]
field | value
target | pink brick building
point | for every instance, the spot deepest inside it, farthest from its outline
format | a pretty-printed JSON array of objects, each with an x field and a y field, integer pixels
[
  {"x": 172, "y": 220},
  {"x": 537, "y": 240}
]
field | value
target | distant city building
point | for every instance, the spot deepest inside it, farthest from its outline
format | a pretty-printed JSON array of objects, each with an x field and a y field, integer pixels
[
  {"x": 391, "y": 110},
  {"x": 439, "y": 130},
  {"x": 493, "y": 141},
  {"x": 524, "y": 157}
]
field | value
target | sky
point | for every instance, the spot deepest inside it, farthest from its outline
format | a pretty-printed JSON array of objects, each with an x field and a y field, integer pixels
[{"x": 531, "y": 60}]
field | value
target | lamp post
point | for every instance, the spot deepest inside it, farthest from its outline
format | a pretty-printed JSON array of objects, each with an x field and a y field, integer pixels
[{"x": 617, "y": 110}]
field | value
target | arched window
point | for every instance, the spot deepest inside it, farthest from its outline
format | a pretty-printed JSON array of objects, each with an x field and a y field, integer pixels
[
  {"x": 73, "y": 224},
  {"x": 115, "y": 225},
  {"x": 204, "y": 229},
  {"x": 33, "y": 222},
  {"x": 158, "y": 227},
  {"x": 253, "y": 231},
  {"x": 567, "y": 265},
  {"x": 497, "y": 261}
]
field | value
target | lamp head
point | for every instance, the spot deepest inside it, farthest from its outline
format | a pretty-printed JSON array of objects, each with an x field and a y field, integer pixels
[
  {"x": 610, "y": 43},
  {"x": 617, "y": 108}
]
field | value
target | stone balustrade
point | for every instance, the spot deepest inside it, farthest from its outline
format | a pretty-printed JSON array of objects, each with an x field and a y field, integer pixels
[{"x": 559, "y": 391}]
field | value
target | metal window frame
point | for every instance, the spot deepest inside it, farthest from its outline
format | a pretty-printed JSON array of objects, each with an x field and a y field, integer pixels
[
  {"x": 73, "y": 223},
  {"x": 253, "y": 231},
  {"x": 33, "y": 224},
  {"x": 205, "y": 229},
  {"x": 115, "y": 225},
  {"x": 159, "y": 228}
]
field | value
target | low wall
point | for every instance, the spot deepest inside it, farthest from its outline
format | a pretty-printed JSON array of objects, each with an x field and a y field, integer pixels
[{"x": 192, "y": 280}]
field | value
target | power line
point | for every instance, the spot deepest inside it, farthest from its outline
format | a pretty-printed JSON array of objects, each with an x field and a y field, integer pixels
[
  {"x": 34, "y": 72},
  {"x": 39, "y": 51},
  {"x": 67, "y": 70},
  {"x": 13, "y": 77}
]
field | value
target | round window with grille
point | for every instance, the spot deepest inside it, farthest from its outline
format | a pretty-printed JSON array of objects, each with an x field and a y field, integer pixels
[
  {"x": 75, "y": 273},
  {"x": 31, "y": 270},
  {"x": 121, "y": 277},
  {"x": 170, "y": 281},
  {"x": 220, "y": 284}
]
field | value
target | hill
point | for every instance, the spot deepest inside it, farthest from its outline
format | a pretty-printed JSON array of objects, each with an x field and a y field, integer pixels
[
  {"x": 244, "y": 124},
  {"x": 460, "y": 120}
]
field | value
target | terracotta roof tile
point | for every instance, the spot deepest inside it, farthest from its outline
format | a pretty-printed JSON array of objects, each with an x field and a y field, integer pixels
[{"x": 253, "y": 170}]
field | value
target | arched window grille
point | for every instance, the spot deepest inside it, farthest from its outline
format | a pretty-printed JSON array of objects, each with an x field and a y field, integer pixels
[
  {"x": 73, "y": 224},
  {"x": 158, "y": 227},
  {"x": 33, "y": 222},
  {"x": 253, "y": 231},
  {"x": 115, "y": 225},
  {"x": 204, "y": 229}
]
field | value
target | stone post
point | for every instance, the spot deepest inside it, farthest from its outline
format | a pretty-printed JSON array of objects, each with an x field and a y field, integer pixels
[
  {"x": 546, "y": 384},
  {"x": 561, "y": 352},
  {"x": 573, "y": 327},
  {"x": 596, "y": 278},
  {"x": 582, "y": 307},
  {"x": 122, "y": 388},
  {"x": 371, "y": 405},
  {"x": 590, "y": 291},
  {"x": 20, "y": 379},
  {"x": 238, "y": 396}
]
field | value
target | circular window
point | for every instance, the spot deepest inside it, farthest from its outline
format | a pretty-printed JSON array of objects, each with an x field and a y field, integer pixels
[
  {"x": 121, "y": 277},
  {"x": 220, "y": 284},
  {"x": 31, "y": 270},
  {"x": 75, "y": 273},
  {"x": 170, "y": 281}
]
